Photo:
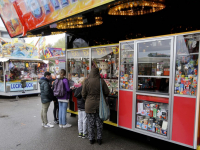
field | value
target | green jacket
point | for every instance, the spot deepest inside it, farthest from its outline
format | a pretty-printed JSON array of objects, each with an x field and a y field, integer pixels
[
  {"x": 91, "y": 91},
  {"x": 46, "y": 91}
]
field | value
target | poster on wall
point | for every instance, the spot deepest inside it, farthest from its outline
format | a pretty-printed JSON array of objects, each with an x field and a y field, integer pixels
[{"x": 20, "y": 50}]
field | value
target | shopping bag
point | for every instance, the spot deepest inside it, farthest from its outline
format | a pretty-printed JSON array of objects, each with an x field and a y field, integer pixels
[{"x": 104, "y": 111}]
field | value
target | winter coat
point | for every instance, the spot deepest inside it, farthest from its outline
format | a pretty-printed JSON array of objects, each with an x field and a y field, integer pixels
[
  {"x": 46, "y": 91},
  {"x": 80, "y": 101},
  {"x": 91, "y": 91},
  {"x": 67, "y": 90}
]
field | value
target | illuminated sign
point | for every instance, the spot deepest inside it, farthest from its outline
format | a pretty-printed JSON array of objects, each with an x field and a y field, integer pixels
[
  {"x": 78, "y": 53},
  {"x": 37, "y": 13},
  {"x": 103, "y": 51},
  {"x": 10, "y": 18}
]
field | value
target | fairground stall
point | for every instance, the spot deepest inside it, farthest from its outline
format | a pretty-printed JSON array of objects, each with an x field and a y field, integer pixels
[
  {"x": 19, "y": 63},
  {"x": 57, "y": 61},
  {"x": 79, "y": 63},
  {"x": 153, "y": 84}
]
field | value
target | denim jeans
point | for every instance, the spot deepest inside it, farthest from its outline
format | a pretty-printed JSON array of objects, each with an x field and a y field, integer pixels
[{"x": 62, "y": 113}]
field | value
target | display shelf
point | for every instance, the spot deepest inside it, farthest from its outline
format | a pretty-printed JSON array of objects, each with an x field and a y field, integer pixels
[
  {"x": 189, "y": 96},
  {"x": 126, "y": 63},
  {"x": 153, "y": 76},
  {"x": 153, "y": 99},
  {"x": 158, "y": 94},
  {"x": 188, "y": 54}
]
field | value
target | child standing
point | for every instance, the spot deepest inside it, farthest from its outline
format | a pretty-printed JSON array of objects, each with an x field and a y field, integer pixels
[{"x": 82, "y": 119}]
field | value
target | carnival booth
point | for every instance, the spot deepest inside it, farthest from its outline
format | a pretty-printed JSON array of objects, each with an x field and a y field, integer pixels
[
  {"x": 20, "y": 69},
  {"x": 57, "y": 61},
  {"x": 153, "y": 84}
]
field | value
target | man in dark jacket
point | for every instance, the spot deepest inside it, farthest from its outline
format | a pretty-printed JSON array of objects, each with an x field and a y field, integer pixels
[
  {"x": 91, "y": 95},
  {"x": 46, "y": 98}
]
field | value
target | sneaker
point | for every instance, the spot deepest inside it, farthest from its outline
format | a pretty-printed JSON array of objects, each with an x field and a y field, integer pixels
[
  {"x": 56, "y": 122},
  {"x": 80, "y": 135},
  {"x": 48, "y": 125},
  {"x": 60, "y": 125},
  {"x": 67, "y": 125},
  {"x": 42, "y": 124},
  {"x": 83, "y": 136}
]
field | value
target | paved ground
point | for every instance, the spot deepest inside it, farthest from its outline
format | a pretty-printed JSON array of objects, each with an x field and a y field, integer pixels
[{"x": 20, "y": 129}]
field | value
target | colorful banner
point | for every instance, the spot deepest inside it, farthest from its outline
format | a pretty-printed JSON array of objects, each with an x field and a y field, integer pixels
[
  {"x": 10, "y": 18},
  {"x": 53, "y": 52},
  {"x": 37, "y": 13},
  {"x": 19, "y": 50}
]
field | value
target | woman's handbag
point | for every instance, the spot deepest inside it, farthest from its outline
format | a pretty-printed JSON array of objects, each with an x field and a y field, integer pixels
[{"x": 104, "y": 110}]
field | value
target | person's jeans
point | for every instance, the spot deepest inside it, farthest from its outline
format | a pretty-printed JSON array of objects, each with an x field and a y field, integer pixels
[
  {"x": 82, "y": 122},
  {"x": 62, "y": 113},
  {"x": 44, "y": 112}
]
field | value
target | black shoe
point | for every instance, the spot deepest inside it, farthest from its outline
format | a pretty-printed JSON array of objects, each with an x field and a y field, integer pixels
[
  {"x": 99, "y": 141},
  {"x": 92, "y": 141}
]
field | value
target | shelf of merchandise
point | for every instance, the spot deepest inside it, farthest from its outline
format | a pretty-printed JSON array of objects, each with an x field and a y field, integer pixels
[
  {"x": 153, "y": 99},
  {"x": 153, "y": 76},
  {"x": 127, "y": 63},
  {"x": 187, "y": 54}
]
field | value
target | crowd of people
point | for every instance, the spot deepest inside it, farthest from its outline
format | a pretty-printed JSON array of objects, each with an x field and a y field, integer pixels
[{"x": 88, "y": 98}]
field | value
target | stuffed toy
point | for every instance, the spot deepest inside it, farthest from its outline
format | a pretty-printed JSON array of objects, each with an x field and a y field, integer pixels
[{"x": 104, "y": 67}]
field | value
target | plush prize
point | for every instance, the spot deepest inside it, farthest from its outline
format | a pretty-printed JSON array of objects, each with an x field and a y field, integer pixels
[{"x": 104, "y": 67}]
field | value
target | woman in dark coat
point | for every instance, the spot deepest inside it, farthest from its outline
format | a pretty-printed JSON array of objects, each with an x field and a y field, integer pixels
[{"x": 91, "y": 95}]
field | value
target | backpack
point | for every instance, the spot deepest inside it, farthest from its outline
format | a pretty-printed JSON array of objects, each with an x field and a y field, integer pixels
[{"x": 58, "y": 88}]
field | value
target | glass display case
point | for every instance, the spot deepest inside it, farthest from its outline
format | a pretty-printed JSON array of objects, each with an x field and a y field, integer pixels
[
  {"x": 107, "y": 60},
  {"x": 78, "y": 64},
  {"x": 153, "y": 77},
  {"x": 154, "y": 66},
  {"x": 126, "y": 65},
  {"x": 186, "y": 68},
  {"x": 25, "y": 70},
  {"x": 152, "y": 114}
]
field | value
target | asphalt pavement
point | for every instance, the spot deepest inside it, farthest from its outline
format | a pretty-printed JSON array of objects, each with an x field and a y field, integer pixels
[{"x": 20, "y": 129}]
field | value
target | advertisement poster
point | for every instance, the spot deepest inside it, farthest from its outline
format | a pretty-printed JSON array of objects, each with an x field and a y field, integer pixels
[
  {"x": 53, "y": 52},
  {"x": 37, "y": 13},
  {"x": 10, "y": 18},
  {"x": 19, "y": 50}
]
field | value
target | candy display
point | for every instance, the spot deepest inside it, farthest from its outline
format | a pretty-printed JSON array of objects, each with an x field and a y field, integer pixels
[
  {"x": 152, "y": 117},
  {"x": 127, "y": 66},
  {"x": 186, "y": 67}
]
